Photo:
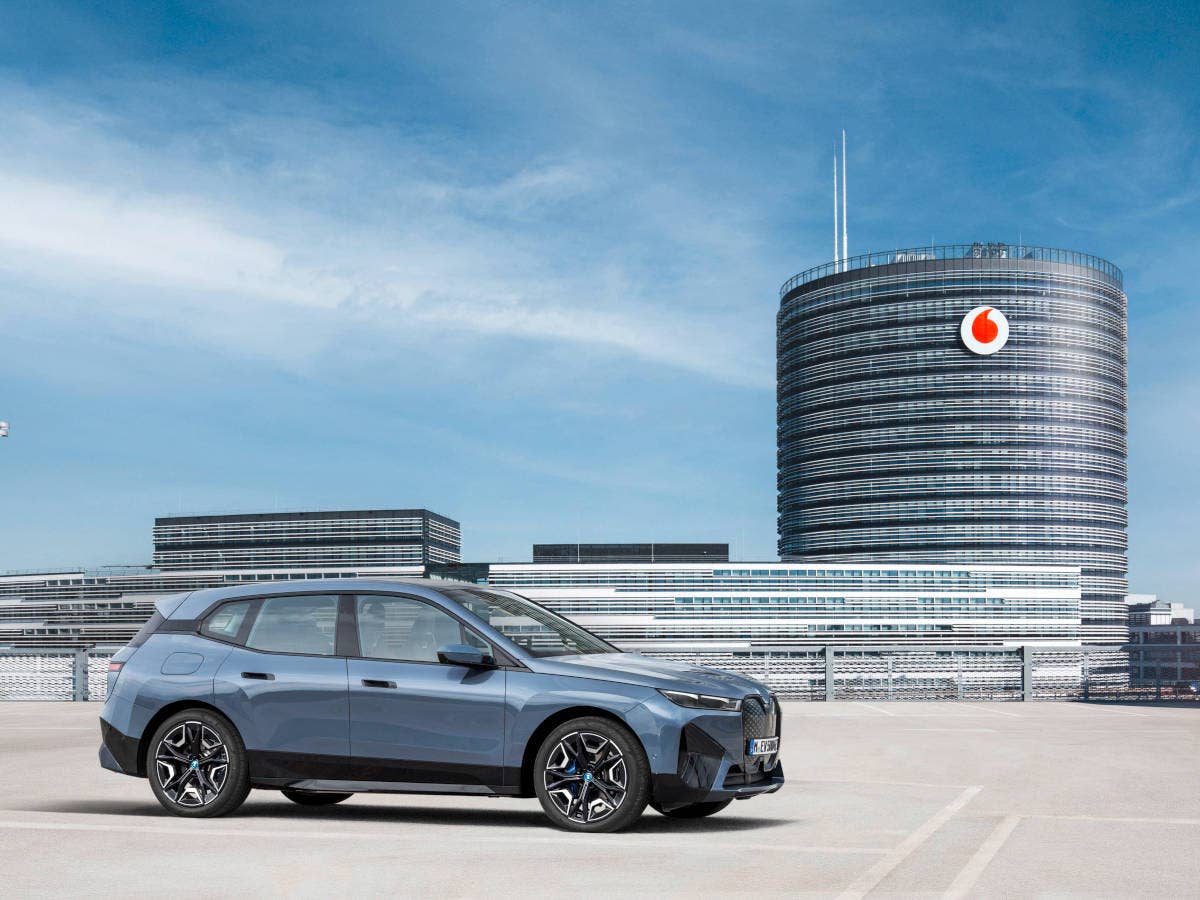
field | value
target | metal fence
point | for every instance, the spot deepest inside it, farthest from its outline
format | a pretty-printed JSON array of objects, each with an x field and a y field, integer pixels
[
  {"x": 54, "y": 674},
  {"x": 916, "y": 256},
  {"x": 943, "y": 673},
  {"x": 819, "y": 673}
]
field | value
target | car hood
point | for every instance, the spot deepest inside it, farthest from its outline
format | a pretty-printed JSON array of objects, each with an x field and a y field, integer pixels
[{"x": 633, "y": 668}]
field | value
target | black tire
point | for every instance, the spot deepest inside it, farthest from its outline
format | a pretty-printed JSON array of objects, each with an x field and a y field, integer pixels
[
  {"x": 314, "y": 798},
  {"x": 609, "y": 793},
  {"x": 197, "y": 765},
  {"x": 692, "y": 810}
]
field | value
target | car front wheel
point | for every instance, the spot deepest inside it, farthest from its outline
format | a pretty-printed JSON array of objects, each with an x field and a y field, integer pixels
[
  {"x": 197, "y": 765},
  {"x": 591, "y": 774}
]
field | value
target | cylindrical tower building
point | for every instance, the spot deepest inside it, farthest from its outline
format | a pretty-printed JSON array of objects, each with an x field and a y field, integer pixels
[{"x": 958, "y": 404}]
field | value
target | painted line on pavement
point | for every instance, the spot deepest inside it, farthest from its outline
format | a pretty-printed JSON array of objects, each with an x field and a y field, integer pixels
[
  {"x": 965, "y": 880},
  {"x": 920, "y": 784},
  {"x": 1132, "y": 820},
  {"x": 994, "y": 712},
  {"x": 870, "y": 879},
  {"x": 955, "y": 730},
  {"x": 878, "y": 709}
]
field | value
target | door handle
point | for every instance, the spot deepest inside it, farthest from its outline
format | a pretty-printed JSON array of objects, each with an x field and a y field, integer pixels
[
  {"x": 372, "y": 682},
  {"x": 261, "y": 676}
]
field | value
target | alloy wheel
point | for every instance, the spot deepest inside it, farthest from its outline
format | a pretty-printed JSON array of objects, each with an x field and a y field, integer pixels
[
  {"x": 585, "y": 777},
  {"x": 191, "y": 762}
]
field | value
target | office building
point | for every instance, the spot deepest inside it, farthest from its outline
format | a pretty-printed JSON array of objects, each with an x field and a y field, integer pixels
[
  {"x": 80, "y": 609},
  {"x": 630, "y": 553},
  {"x": 751, "y": 607},
  {"x": 958, "y": 405},
  {"x": 291, "y": 540},
  {"x": 652, "y": 607},
  {"x": 1164, "y": 641},
  {"x": 886, "y": 630}
]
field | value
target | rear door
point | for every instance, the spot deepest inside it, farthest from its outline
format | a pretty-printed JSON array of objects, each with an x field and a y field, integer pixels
[
  {"x": 286, "y": 689},
  {"x": 414, "y": 720}
]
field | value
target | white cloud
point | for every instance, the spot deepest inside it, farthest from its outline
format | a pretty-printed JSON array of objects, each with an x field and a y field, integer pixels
[{"x": 376, "y": 229}]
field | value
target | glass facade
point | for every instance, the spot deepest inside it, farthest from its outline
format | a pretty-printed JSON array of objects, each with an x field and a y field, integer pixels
[
  {"x": 771, "y": 606},
  {"x": 375, "y": 537},
  {"x": 897, "y": 443}
]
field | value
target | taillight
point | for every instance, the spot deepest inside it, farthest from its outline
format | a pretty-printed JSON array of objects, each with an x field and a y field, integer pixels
[{"x": 114, "y": 672}]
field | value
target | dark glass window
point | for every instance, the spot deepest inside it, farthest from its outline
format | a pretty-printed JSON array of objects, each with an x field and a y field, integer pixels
[
  {"x": 224, "y": 622},
  {"x": 537, "y": 629},
  {"x": 306, "y": 624},
  {"x": 408, "y": 630}
]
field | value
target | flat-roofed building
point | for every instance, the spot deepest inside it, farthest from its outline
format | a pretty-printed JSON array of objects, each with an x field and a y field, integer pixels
[
  {"x": 1164, "y": 641},
  {"x": 366, "y": 537},
  {"x": 630, "y": 553}
]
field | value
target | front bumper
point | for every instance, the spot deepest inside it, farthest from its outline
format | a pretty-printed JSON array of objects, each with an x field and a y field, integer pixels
[
  {"x": 672, "y": 790},
  {"x": 711, "y": 765}
]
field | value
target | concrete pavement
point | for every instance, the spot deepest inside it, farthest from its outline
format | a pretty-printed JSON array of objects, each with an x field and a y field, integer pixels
[{"x": 925, "y": 799}]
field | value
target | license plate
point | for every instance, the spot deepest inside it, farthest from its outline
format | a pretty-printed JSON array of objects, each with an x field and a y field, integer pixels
[{"x": 762, "y": 746}]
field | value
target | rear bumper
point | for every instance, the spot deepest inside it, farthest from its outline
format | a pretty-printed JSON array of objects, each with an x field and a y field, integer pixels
[{"x": 118, "y": 752}]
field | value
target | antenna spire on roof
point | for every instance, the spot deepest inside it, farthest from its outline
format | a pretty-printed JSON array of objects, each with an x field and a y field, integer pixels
[
  {"x": 845, "y": 240},
  {"x": 837, "y": 252}
]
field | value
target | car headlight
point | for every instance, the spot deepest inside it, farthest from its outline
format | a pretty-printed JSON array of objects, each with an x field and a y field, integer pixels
[{"x": 702, "y": 701}]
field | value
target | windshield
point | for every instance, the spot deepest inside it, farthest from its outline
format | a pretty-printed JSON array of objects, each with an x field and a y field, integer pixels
[{"x": 536, "y": 629}]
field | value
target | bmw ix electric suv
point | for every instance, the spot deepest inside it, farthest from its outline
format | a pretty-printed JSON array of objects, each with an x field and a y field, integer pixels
[{"x": 326, "y": 688}]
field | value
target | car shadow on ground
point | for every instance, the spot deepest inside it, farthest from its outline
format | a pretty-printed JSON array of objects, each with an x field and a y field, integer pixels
[{"x": 286, "y": 811}]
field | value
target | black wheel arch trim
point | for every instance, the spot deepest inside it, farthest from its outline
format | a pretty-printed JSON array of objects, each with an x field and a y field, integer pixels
[
  {"x": 165, "y": 713},
  {"x": 547, "y": 725}
]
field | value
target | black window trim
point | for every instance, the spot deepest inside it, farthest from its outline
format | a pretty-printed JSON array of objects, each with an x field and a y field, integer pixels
[
  {"x": 346, "y": 632},
  {"x": 256, "y": 604}
]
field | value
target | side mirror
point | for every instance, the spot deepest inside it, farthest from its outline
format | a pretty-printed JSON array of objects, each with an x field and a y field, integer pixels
[{"x": 463, "y": 655}]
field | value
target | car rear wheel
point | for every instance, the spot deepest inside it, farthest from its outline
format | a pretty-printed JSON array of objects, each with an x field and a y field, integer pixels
[
  {"x": 197, "y": 765},
  {"x": 314, "y": 798},
  {"x": 591, "y": 774},
  {"x": 692, "y": 810}
]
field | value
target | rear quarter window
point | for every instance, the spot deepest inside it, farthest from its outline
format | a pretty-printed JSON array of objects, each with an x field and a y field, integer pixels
[{"x": 224, "y": 622}]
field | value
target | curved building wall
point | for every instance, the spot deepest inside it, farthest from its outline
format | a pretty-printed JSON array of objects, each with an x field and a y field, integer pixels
[{"x": 898, "y": 443}]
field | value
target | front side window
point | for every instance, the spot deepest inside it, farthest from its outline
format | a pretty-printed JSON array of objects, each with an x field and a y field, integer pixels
[
  {"x": 407, "y": 630},
  {"x": 535, "y": 628},
  {"x": 224, "y": 622},
  {"x": 306, "y": 625}
]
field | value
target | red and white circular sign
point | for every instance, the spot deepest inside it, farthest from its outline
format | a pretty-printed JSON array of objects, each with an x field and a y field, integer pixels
[{"x": 984, "y": 330}]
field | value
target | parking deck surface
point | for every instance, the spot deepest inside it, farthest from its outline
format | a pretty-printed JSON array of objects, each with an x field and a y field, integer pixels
[{"x": 913, "y": 799}]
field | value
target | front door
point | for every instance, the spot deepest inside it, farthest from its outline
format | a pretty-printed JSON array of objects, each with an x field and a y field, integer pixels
[
  {"x": 416, "y": 721},
  {"x": 286, "y": 691}
]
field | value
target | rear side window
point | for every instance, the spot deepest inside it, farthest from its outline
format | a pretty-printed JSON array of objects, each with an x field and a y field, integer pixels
[
  {"x": 146, "y": 630},
  {"x": 224, "y": 622},
  {"x": 306, "y": 624}
]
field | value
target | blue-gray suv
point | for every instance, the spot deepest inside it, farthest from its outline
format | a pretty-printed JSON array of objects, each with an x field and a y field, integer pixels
[{"x": 326, "y": 688}]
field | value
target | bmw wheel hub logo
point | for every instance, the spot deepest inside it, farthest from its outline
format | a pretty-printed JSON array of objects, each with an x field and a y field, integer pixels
[
  {"x": 587, "y": 776},
  {"x": 984, "y": 330},
  {"x": 195, "y": 763}
]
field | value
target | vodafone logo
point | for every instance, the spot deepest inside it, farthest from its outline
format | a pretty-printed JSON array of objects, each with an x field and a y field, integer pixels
[{"x": 984, "y": 330}]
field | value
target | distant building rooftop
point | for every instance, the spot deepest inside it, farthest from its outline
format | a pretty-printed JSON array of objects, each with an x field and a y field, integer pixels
[
  {"x": 306, "y": 539},
  {"x": 629, "y": 553}
]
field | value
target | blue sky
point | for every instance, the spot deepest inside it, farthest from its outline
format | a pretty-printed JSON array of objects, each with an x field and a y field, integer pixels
[{"x": 518, "y": 262}]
